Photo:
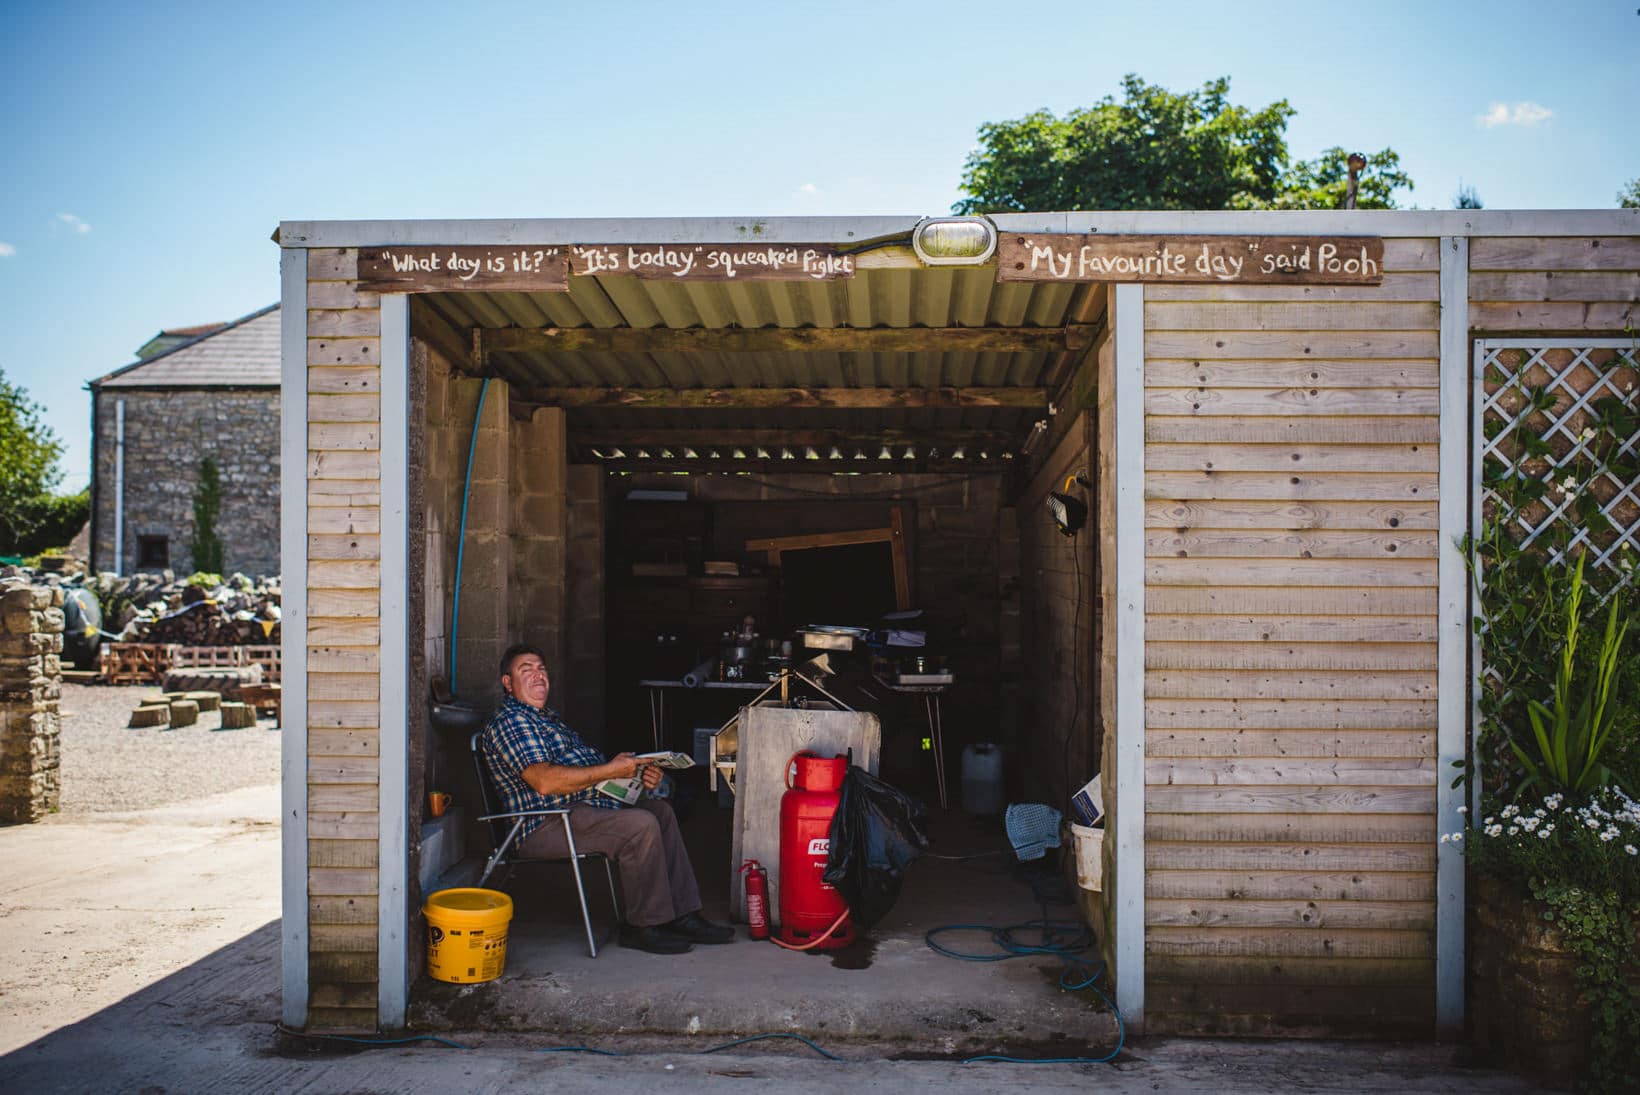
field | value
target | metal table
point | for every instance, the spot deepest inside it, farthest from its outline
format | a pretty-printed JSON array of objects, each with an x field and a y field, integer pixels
[
  {"x": 657, "y": 699},
  {"x": 931, "y": 694}
]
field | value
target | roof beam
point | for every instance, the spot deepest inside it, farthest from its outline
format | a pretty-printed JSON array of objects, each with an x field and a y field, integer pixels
[
  {"x": 992, "y": 441},
  {"x": 813, "y": 398},
  {"x": 718, "y": 340}
]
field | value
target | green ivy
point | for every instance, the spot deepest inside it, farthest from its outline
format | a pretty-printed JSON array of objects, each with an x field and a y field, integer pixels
[{"x": 1599, "y": 928}]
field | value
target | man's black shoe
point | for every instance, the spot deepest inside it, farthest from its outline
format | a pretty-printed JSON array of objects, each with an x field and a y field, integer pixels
[
  {"x": 657, "y": 939},
  {"x": 697, "y": 929}
]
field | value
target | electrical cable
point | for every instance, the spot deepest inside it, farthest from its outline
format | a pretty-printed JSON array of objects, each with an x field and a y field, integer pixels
[
  {"x": 283, "y": 1029},
  {"x": 461, "y": 537},
  {"x": 815, "y": 942},
  {"x": 760, "y": 1037}
]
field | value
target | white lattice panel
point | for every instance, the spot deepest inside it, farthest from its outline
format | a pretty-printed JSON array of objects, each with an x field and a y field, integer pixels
[{"x": 1546, "y": 414}]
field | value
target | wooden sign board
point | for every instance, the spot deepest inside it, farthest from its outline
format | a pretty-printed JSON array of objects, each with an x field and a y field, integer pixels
[
  {"x": 715, "y": 261},
  {"x": 1179, "y": 260},
  {"x": 422, "y": 269}
]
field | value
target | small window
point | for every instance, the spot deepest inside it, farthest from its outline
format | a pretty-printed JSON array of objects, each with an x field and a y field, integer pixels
[{"x": 153, "y": 552}]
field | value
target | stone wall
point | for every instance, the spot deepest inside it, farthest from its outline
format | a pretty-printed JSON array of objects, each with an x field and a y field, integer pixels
[
  {"x": 31, "y": 640},
  {"x": 167, "y": 434}
]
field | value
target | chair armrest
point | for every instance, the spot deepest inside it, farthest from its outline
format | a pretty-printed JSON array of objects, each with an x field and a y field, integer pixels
[{"x": 525, "y": 813}]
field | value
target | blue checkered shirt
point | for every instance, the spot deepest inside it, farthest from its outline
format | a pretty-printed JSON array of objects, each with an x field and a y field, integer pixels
[{"x": 518, "y": 736}]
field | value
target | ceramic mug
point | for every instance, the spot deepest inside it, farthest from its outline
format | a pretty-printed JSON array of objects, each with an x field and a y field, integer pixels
[{"x": 438, "y": 802}]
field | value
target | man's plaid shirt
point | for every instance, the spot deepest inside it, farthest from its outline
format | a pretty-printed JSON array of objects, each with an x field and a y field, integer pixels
[{"x": 518, "y": 736}]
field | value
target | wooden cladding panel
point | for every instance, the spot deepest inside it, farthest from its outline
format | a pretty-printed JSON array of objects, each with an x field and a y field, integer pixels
[
  {"x": 1291, "y": 509},
  {"x": 1525, "y": 285}
]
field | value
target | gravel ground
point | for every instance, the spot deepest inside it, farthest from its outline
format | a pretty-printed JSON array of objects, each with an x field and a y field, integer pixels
[{"x": 107, "y": 767}]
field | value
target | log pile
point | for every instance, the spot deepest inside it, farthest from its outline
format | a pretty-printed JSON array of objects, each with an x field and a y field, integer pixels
[{"x": 204, "y": 610}]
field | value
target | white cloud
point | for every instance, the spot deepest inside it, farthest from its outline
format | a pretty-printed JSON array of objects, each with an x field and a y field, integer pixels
[
  {"x": 7, "y": 250},
  {"x": 808, "y": 188},
  {"x": 1524, "y": 113},
  {"x": 74, "y": 222}
]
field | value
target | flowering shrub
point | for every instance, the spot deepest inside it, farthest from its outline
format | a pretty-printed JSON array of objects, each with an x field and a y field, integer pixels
[{"x": 1580, "y": 857}]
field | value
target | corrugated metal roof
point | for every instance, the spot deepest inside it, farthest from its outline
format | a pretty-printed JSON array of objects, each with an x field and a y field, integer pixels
[{"x": 241, "y": 354}]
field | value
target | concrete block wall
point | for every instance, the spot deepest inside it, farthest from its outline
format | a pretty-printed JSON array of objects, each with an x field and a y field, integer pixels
[{"x": 31, "y": 641}]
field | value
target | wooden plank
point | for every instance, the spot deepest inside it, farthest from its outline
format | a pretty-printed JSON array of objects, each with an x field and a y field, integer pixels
[
  {"x": 1569, "y": 253},
  {"x": 332, "y": 996},
  {"x": 447, "y": 269},
  {"x": 1278, "y": 543},
  {"x": 1197, "y": 654},
  {"x": 1290, "y": 572},
  {"x": 341, "y": 910},
  {"x": 343, "y": 437},
  {"x": 1557, "y": 285},
  {"x": 341, "y": 853},
  {"x": 1253, "y": 1009},
  {"x": 341, "y": 881},
  {"x": 1408, "y": 254},
  {"x": 344, "y": 351},
  {"x": 332, "y": 263},
  {"x": 341, "y": 967},
  {"x": 1265, "y": 514},
  {"x": 345, "y": 798},
  {"x": 1603, "y": 316},
  {"x": 1262, "y": 830},
  {"x": 342, "y": 1020},
  {"x": 344, "y": 743},
  {"x": 1287, "y": 458},
  {"x": 1287, "y": 402},
  {"x": 347, "y": 825},
  {"x": 344, "y": 574},
  {"x": 1257, "y": 684},
  {"x": 1261, "y": 316},
  {"x": 344, "y": 715},
  {"x": 1294, "y": 430},
  {"x": 352, "y": 323},
  {"x": 738, "y": 261},
  {"x": 775, "y": 340},
  {"x": 785, "y": 398},
  {"x": 1328, "y": 486},
  {"x": 1267, "y": 771},
  {"x": 1289, "y": 714},
  {"x": 344, "y": 546},
  {"x": 1186, "y": 970},
  {"x": 1330, "y": 601},
  {"x": 1249, "y": 942},
  {"x": 353, "y": 493},
  {"x": 343, "y": 294},
  {"x": 1186, "y": 373},
  {"x": 1291, "y": 260},
  {"x": 1225, "y": 742},
  {"x": 349, "y": 769},
  {"x": 344, "y": 408},
  {"x": 1322, "y": 345},
  {"x": 343, "y": 686},
  {"x": 344, "y": 379},
  {"x": 1160, "y": 628},
  {"x": 1395, "y": 287},
  {"x": 349, "y": 603},
  {"x": 1258, "y": 800},
  {"x": 1347, "y": 885},
  {"x": 345, "y": 658},
  {"x": 363, "y": 633},
  {"x": 344, "y": 520},
  {"x": 344, "y": 465},
  {"x": 1297, "y": 915},
  {"x": 822, "y": 539},
  {"x": 343, "y": 938}
]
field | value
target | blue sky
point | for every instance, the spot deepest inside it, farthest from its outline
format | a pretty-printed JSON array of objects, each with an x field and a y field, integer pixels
[{"x": 149, "y": 150}]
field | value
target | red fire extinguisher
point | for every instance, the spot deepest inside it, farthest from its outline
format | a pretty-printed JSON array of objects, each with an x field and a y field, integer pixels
[
  {"x": 812, "y": 912},
  {"x": 757, "y": 898}
]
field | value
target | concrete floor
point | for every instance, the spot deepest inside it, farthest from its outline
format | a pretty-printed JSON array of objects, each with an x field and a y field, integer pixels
[{"x": 888, "y": 989}]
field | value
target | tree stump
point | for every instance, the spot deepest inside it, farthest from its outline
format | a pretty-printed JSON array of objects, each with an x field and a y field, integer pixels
[
  {"x": 237, "y": 716},
  {"x": 184, "y": 713},
  {"x": 208, "y": 701},
  {"x": 150, "y": 715}
]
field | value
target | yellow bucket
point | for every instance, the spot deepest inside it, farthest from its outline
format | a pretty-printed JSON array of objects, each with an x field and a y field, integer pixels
[{"x": 467, "y": 934}]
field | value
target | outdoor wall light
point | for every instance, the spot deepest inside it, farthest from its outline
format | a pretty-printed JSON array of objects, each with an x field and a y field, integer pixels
[
  {"x": 1069, "y": 513},
  {"x": 954, "y": 241}
]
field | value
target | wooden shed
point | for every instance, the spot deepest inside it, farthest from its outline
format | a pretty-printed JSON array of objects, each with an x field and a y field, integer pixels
[{"x": 1262, "y": 643}]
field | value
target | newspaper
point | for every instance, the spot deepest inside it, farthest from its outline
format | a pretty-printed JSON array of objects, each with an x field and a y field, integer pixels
[{"x": 628, "y": 791}]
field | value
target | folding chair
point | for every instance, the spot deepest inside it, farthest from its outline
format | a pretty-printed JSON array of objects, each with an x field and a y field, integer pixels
[{"x": 502, "y": 837}]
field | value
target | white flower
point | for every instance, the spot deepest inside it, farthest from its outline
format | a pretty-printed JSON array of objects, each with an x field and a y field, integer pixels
[
  {"x": 1609, "y": 835},
  {"x": 1544, "y": 835},
  {"x": 1494, "y": 830},
  {"x": 1588, "y": 432},
  {"x": 1446, "y": 838},
  {"x": 1539, "y": 812},
  {"x": 1530, "y": 824},
  {"x": 1631, "y": 849},
  {"x": 1490, "y": 820},
  {"x": 1463, "y": 809},
  {"x": 1591, "y": 823},
  {"x": 1625, "y": 563},
  {"x": 1511, "y": 810},
  {"x": 1568, "y": 485},
  {"x": 1553, "y": 801},
  {"x": 1547, "y": 829},
  {"x": 1514, "y": 830}
]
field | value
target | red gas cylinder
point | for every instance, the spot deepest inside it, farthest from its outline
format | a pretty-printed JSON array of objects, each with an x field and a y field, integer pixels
[{"x": 808, "y": 905}]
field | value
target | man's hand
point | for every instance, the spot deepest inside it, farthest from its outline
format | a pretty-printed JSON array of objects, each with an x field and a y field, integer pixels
[
  {"x": 621, "y": 766},
  {"x": 651, "y": 775}
]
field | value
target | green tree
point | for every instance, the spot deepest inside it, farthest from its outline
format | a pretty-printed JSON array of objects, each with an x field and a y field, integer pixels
[
  {"x": 28, "y": 464},
  {"x": 1156, "y": 149},
  {"x": 206, "y": 545},
  {"x": 1467, "y": 197},
  {"x": 1629, "y": 196}
]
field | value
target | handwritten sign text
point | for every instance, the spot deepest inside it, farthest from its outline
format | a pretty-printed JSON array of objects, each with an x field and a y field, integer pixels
[
  {"x": 1248, "y": 260},
  {"x": 438, "y": 269},
  {"x": 715, "y": 262}
]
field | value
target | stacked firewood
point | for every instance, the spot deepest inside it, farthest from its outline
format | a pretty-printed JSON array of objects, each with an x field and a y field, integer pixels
[{"x": 200, "y": 611}]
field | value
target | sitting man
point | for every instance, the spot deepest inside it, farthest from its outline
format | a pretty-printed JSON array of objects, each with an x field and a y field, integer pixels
[{"x": 538, "y": 763}]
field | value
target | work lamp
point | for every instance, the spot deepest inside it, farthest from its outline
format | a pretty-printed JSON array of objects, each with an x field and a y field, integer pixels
[
  {"x": 954, "y": 241},
  {"x": 1069, "y": 513}
]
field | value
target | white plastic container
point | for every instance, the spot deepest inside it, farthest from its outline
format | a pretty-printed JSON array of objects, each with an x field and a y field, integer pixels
[
  {"x": 982, "y": 791},
  {"x": 1090, "y": 859}
]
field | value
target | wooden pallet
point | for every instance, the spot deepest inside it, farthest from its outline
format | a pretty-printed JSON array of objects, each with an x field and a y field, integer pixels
[
  {"x": 210, "y": 657},
  {"x": 264, "y": 698},
  {"x": 137, "y": 663},
  {"x": 268, "y": 657}
]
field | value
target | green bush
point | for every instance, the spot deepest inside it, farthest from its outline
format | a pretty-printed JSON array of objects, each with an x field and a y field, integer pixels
[{"x": 45, "y": 521}]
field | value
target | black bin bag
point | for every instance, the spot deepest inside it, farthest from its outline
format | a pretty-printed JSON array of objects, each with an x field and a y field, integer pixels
[{"x": 876, "y": 834}]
